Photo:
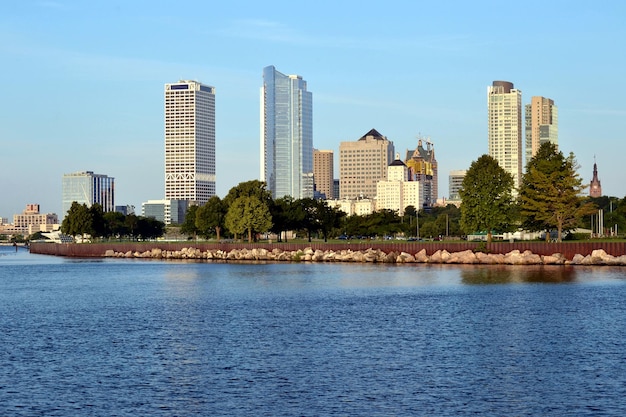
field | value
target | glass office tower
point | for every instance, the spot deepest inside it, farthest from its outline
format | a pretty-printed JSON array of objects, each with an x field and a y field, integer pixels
[
  {"x": 286, "y": 135},
  {"x": 88, "y": 188}
]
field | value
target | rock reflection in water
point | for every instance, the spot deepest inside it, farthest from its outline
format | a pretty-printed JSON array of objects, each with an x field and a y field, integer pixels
[{"x": 505, "y": 274}]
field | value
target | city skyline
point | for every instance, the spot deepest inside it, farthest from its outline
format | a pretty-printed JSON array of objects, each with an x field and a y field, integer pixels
[{"x": 83, "y": 83}]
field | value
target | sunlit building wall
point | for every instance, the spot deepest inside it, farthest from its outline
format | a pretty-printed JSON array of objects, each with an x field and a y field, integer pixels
[
  {"x": 323, "y": 172},
  {"x": 189, "y": 141},
  {"x": 504, "y": 104},
  {"x": 542, "y": 124},
  {"x": 362, "y": 164}
]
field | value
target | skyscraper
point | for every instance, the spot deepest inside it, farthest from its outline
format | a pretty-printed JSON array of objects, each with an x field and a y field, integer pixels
[
  {"x": 362, "y": 164},
  {"x": 504, "y": 104},
  {"x": 286, "y": 135},
  {"x": 423, "y": 168},
  {"x": 88, "y": 188},
  {"x": 455, "y": 183},
  {"x": 542, "y": 124},
  {"x": 189, "y": 141},
  {"x": 323, "y": 172}
]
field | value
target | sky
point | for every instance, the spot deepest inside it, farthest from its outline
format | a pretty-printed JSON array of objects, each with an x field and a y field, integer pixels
[{"x": 83, "y": 82}]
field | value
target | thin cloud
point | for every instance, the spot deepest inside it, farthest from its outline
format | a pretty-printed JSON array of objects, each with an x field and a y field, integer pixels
[{"x": 272, "y": 31}]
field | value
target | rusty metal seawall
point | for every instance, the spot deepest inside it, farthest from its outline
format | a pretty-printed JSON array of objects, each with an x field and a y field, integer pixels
[{"x": 568, "y": 249}]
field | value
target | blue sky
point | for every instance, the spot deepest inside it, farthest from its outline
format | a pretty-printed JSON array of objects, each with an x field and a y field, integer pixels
[{"x": 83, "y": 81}]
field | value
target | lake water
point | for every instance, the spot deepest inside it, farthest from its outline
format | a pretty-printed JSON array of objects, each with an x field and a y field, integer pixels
[{"x": 146, "y": 338}]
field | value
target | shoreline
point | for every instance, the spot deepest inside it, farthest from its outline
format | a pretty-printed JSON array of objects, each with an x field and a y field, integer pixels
[
  {"x": 457, "y": 253},
  {"x": 468, "y": 257}
]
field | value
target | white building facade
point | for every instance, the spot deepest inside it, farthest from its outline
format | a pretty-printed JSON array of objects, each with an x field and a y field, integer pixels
[
  {"x": 397, "y": 192},
  {"x": 189, "y": 141},
  {"x": 504, "y": 104}
]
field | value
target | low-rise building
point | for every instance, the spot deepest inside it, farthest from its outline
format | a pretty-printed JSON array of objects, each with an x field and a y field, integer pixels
[
  {"x": 167, "y": 211},
  {"x": 30, "y": 221},
  {"x": 361, "y": 207}
]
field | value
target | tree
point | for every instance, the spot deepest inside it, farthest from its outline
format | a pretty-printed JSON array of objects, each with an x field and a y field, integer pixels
[
  {"x": 287, "y": 214},
  {"x": 614, "y": 213},
  {"x": 310, "y": 220},
  {"x": 78, "y": 220},
  {"x": 131, "y": 223},
  {"x": 210, "y": 217},
  {"x": 550, "y": 194},
  {"x": 149, "y": 228},
  {"x": 329, "y": 218},
  {"x": 248, "y": 214},
  {"x": 383, "y": 223},
  {"x": 189, "y": 227},
  {"x": 353, "y": 225},
  {"x": 486, "y": 198},
  {"x": 114, "y": 224},
  {"x": 253, "y": 188},
  {"x": 98, "y": 225}
]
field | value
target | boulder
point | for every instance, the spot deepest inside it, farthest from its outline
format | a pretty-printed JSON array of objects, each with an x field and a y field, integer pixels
[
  {"x": 464, "y": 257},
  {"x": 405, "y": 258},
  {"x": 421, "y": 256}
]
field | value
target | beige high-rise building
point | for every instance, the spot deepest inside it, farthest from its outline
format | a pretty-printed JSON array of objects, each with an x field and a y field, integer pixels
[
  {"x": 362, "y": 164},
  {"x": 31, "y": 220},
  {"x": 542, "y": 124},
  {"x": 504, "y": 106},
  {"x": 323, "y": 172}
]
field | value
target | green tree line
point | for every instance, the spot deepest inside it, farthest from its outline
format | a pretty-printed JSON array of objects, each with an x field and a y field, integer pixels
[
  {"x": 82, "y": 221},
  {"x": 248, "y": 211},
  {"x": 550, "y": 197}
]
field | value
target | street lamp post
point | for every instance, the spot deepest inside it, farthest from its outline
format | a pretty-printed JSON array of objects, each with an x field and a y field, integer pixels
[{"x": 417, "y": 223}]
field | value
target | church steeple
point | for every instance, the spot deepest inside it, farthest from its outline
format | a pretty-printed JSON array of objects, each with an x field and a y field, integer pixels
[{"x": 595, "y": 188}]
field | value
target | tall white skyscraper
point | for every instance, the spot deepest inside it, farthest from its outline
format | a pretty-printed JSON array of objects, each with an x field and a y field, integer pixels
[
  {"x": 286, "y": 135},
  {"x": 189, "y": 141},
  {"x": 504, "y": 104}
]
